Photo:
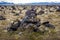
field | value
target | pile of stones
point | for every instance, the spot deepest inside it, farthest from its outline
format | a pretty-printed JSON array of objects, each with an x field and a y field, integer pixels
[{"x": 29, "y": 20}]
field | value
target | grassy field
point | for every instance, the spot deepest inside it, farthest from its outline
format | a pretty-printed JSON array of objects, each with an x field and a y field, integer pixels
[{"x": 12, "y": 13}]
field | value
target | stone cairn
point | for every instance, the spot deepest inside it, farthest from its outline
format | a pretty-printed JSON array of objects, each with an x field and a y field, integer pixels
[{"x": 30, "y": 20}]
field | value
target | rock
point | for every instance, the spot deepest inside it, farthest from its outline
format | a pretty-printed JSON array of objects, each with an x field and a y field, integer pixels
[
  {"x": 20, "y": 33},
  {"x": 2, "y": 18},
  {"x": 30, "y": 18},
  {"x": 52, "y": 9},
  {"x": 38, "y": 24},
  {"x": 47, "y": 24},
  {"x": 58, "y": 10},
  {"x": 13, "y": 7},
  {"x": 38, "y": 9},
  {"x": 25, "y": 25},
  {"x": 14, "y": 26},
  {"x": 13, "y": 11},
  {"x": 41, "y": 12},
  {"x": 30, "y": 21},
  {"x": 2, "y": 7},
  {"x": 35, "y": 30}
]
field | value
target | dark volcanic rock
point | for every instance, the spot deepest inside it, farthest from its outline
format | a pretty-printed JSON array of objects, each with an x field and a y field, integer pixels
[
  {"x": 13, "y": 7},
  {"x": 2, "y": 18},
  {"x": 58, "y": 10},
  {"x": 33, "y": 21},
  {"x": 41, "y": 12},
  {"x": 2, "y": 7},
  {"x": 35, "y": 30},
  {"x": 30, "y": 16},
  {"x": 30, "y": 19},
  {"x": 47, "y": 24},
  {"x": 14, "y": 26},
  {"x": 31, "y": 13}
]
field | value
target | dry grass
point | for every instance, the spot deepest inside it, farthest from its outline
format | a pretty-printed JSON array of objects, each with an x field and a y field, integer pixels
[{"x": 51, "y": 34}]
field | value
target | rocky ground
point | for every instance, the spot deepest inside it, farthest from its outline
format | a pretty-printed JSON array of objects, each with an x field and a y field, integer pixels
[{"x": 30, "y": 22}]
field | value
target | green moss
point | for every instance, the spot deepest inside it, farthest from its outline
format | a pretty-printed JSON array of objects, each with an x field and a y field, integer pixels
[{"x": 53, "y": 31}]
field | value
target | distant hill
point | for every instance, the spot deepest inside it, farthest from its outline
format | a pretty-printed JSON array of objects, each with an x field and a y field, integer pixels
[
  {"x": 35, "y": 3},
  {"x": 43, "y": 3},
  {"x": 5, "y": 3}
]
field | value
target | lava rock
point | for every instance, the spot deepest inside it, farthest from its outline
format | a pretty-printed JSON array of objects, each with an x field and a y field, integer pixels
[
  {"x": 33, "y": 21},
  {"x": 13, "y": 7},
  {"x": 35, "y": 29},
  {"x": 2, "y": 7},
  {"x": 31, "y": 13},
  {"x": 58, "y": 10},
  {"x": 41, "y": 12},
  {"x": 47, "y": 24},
  {"x": 14, "y": 26},
  {"x": 2, "y": 18},
  {"x": 38, "y": 24}
]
